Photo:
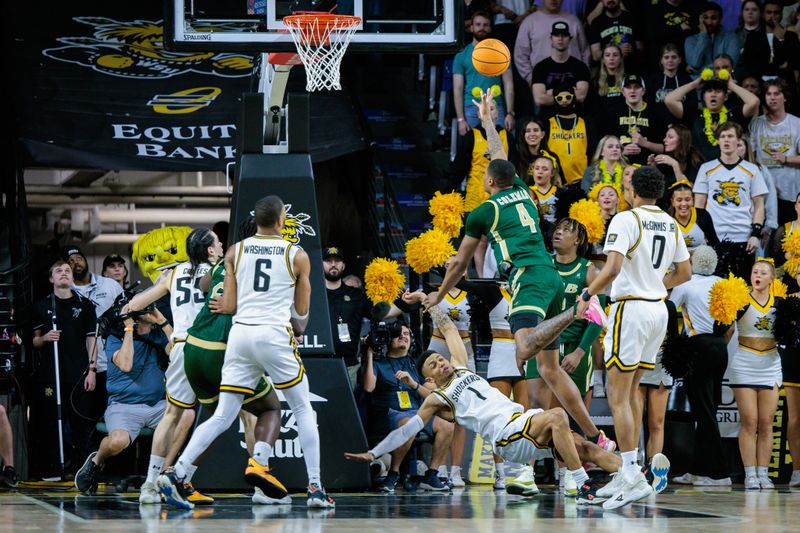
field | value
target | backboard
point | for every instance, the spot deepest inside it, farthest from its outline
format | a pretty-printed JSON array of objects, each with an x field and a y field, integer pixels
[{"x": 257, "y": 25}]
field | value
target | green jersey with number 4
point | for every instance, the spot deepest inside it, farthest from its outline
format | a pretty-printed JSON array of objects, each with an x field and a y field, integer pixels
[
  {"x": 510, "y": 221},
  {"x": 210, "y": 326}
]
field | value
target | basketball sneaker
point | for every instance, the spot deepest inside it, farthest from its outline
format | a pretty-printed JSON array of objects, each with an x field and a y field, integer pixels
[
  {"x": 570, "y": 488},
  {"x": 612, "y": 487},
  {"x": 606, "y": 443},
  {"x": 194, "y": 496},
  {"x": 595, "y": 312},
  {"x": 499, "y": 481},
  {"x": 86, "y": 477},
  {"x": 171, "y": 488},
  {"x": 261, "y": 477},
  {"x": 524, "y": 484},
  {"x": 432, "y": 482},
  {"x": 704, "y": 481},
  {"x": 148, "y": 494},
  {"x": 587, "y": 494},
  {"x": 795, "y": 480},
  {"x": 686, "y": 479},
  {"x": 631, "y": 490},
  {"x": 259, "y": 498},
  {"x": 765, "y": 483},
  {"x": 389, "y": 482},
  {"x": 659, "y": 466},
  {"x": 317, "y": 498},
  {"x": 8, "y": 477},
  {"x": 457, "y": 481},
  {"x": 751, "y": 483}
]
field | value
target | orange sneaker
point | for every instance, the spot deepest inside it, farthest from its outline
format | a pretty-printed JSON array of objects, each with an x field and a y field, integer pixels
[
  {"x": 194, "y": 496},
  {"x": 261, "y": 477}
]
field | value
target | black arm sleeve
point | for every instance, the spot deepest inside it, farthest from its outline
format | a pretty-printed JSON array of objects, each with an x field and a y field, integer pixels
[
  {"x": 775, "y": 247},
  {"x": 707, "y": 225},
  {"x": 463, "y": 159}
]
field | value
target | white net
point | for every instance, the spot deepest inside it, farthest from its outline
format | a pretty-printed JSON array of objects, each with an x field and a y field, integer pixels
[{"x": 321, "y": 41}]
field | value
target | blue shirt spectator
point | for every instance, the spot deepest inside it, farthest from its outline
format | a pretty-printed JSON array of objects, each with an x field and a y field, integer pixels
[{"x": 144, "y": 383}]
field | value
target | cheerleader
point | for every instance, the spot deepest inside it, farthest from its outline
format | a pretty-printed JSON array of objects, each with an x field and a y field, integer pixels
[
  {"x": 789, "y": 348},
  {"x": 754, "y": 373}
]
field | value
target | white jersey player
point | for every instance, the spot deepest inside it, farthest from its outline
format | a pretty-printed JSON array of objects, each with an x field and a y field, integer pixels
[
  {"x": 641, "y": 244},
  {"x": 515, "y": 434},
  {"x": 268, "y": 291}
]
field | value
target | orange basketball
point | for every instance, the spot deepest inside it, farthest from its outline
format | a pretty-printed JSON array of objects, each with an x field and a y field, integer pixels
[{"x": 491, "y": 57}]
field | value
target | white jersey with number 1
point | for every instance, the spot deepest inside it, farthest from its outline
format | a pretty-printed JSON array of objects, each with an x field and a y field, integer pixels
[
  {"x": 265, "y": 280},
  {"x": 651, "y": 241},
  {"x": 185, "y": 297}
]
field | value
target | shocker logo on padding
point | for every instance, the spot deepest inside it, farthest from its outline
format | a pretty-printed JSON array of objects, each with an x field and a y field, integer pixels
[
  {"x": 296, "y": 225},
  {"x": 728, "y": 193},
  {"x": 135, "y": 49}
]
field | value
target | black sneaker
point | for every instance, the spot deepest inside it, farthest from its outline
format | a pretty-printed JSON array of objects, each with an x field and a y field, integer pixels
[
  {"x": 389, "y": 482},
  {"x": 318, "y": 498},
  {"x": 86, "y": 477},
  {"x": 587, "y": 494},
  {"x": 8, "y": 477},
  {"x": 431, "y": 481}
]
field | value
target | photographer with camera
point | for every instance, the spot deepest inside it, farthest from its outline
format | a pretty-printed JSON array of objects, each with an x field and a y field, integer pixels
[
  {"x": 136, "y": 393},
  {"x": 391, "y": 376}
]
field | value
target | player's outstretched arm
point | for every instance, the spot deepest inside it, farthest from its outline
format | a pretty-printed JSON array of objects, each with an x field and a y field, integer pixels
[
  {"x": 403, "y": 434},
  {"x": 226, "y": 304},
  {"x": 151, "y": 294},
  {"x": 302, "y": 292},
  {"x": 496, "y": 150},
  {"x": 458, "y": 354}
]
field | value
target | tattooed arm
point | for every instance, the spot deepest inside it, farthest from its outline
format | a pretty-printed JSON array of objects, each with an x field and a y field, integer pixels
[
  {"x": 496, "y": 150},
  {"x": 458, "y": 354}
]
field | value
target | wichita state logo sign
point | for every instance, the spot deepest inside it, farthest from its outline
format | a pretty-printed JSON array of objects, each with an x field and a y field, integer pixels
[
  {"x": 295, "y": 226},
  {"x": 135, "y": 49},
  {"x": 185, "y": 101}
]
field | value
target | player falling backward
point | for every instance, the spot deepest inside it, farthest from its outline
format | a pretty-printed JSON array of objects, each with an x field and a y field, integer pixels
[
  {"x": 510, "y": 221},
  {"x": 267, "y": 289},
  {"x": 641, "y": 244},
  {"x": 466, "y": 398}
]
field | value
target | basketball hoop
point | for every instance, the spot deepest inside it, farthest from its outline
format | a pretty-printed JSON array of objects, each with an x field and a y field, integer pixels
[{"x": 321, "y": 40}]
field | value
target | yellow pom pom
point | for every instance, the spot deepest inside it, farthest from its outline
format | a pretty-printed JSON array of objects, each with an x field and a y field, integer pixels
[
  {"x": 791, "y": 266},
  {"x": 448, "y": 212},
  {"x": 791, "y": 243},
  {"x": 587, "y": 212},
  {"x": 431, "y": 249},
  {"x": 594, "y": 193},
  {"x": 476, "y": 92},
  {"x": 778, "y": 289},
  {"x": 723, "y": 74},
  {"x": 728, "y": 297},
  {"x": 496, "y": 91},
  {"x": 707, "y": 74},
  {"x": 383, "y": 280}
]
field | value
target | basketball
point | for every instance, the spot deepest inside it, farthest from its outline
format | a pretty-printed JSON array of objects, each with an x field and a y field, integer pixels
[{"x": 491, "y": 57}]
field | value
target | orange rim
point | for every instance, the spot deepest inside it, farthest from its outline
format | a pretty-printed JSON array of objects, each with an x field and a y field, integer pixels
[{"x": 315, "y": 27}]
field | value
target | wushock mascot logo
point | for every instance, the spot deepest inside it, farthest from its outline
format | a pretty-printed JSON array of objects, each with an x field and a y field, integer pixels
[
  {"x": 135, "y": 49},
  {"x": 295, "y": 226}
]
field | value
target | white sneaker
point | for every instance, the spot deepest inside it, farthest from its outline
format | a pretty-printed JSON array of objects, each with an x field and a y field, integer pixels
[
  {"x": 499, "y": 481},
  {"x": 704, "y": 481},
  {"x": 455, "y": 477},
  {"x": 751, "y": 483},
  {"x": 610, "y": 488},
  {"x": 631, "y": 490},
  {"x": 795, "y": 481},
  {"x": 259, "y": 498},
  {"x": 659, "y": 467},
  {"x": 598, "y": 391},
  {"x": 570, "y": 487},
  {"x": 686, "y": 479},
  {"x": 524, "y": 484},
  {"x": 765, "y": 482},
  {"x": 148, "y": 494}
]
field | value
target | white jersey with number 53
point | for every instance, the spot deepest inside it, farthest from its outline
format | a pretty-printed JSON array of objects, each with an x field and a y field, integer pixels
[
  {"x": 185, "y": 297},
  {"x": 651, "y": 241},
  {"x": 264, "y": 280}
]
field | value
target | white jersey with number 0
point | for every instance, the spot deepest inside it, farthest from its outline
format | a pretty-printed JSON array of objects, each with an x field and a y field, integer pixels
[
  {"x": 476, "y": 405},
  {"x": 264, "y": 280},
  {"x": 185, "y": 297},
  {"x": 651, "y": 241}
]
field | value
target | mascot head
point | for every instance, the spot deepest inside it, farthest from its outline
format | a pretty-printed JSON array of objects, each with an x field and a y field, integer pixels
[{"x": 160, "y": 248}]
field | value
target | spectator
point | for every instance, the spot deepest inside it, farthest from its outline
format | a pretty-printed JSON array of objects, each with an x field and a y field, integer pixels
[
  {"x": 770, "y": 50},
  {"x": 8, "y": 476},
  {"x": 616, "y": 26},
  {"x": 790, "y": 367},
  {"x": 634, "y": 123},
  {"x": 75, "y": 323},
  {"x": 472, "y": 159},
  {"x": 714, "y": 111},
  {"x": 572, "y": 139},
  {"x": 531, "y": 144},
  {"x": 607, "y": 89},
  {"x": 670, "y": 78},
  {"x": 545, "y": 185},
  {"x": 575, "y": 7},
  {"x": 607, "y": 164},
  {"x": 102, "y": 292},
  {"x": 709, "y": 357},
  {"x": 711, "y": 41},
  {"x": 751, "y": 85},
  {"x": 670, "y": 22},
  {"x": 695, "y": 223},
  {"x": 508, "y": 15},
  {"x": 789, "y": 15},
  {"x": 397, "y": 393},
  {"x": 348, "y": 308},
  {"x": 533, "y": 41},
  {"x": 558, "y": 69},
  {"x": 680, "y": 160},
  {"x": 771, "y": 201},
  {"x": 733, "y": 191},
  {"x": 467, "y": 81},
  {"x": 775, "y": 139},
  {"x": 776, "y": 250},
  {"x": 749, "y": 22},
  {"x": 136, "y": 392},
  {"x": 114, "y": 268}
]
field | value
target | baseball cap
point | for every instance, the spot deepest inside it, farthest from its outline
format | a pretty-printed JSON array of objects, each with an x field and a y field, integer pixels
[
  {"x": 560, "y": 28},
  {"x": 72, "y": 250},
  {"x": 113, "y": 258},
  {"x": 332, "y": 251},
  {"x": 630, "y": 79}
]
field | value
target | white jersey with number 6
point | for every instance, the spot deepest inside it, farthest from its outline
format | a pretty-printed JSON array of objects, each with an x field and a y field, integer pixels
[
  {"x": 185, "y": 297},
  {"x": 651, "y": 241},
  {"x": 265, "y": 280}
]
